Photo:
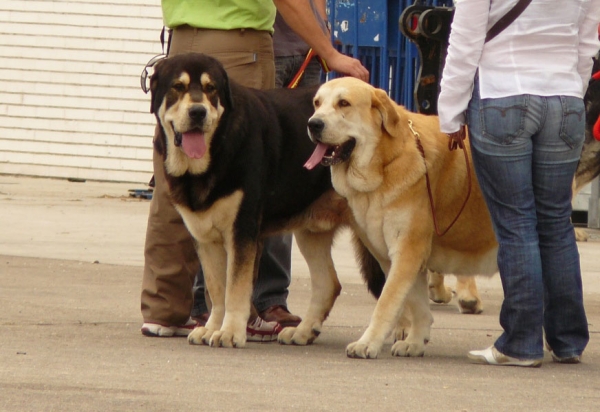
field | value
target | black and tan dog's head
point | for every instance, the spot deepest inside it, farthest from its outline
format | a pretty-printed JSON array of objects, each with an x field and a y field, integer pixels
[
  {"x": 190, "y": 93},
  {"x": 349, "y": 120}
]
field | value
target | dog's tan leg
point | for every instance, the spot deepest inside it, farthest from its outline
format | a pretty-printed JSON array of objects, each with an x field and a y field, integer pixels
[
  {"x": 325, "y": 287},
  {"x": 438, "y": 292},
  {"x": 403, "y": 275},
  {"x": 468, "y": 295},
  {"x": 403, "y": 325},
  {"x": 581, "y": 235},
  {"x": 417, "y": 309},
  {"x": 214, "y": 266},
  {"x": 238, "y": 296}
]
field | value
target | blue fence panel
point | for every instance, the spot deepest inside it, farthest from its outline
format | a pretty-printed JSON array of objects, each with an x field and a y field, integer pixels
[{"x": 369, "y": 31}]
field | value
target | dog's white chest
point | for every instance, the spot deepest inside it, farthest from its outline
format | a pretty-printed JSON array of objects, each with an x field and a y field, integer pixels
[
  {"x": 216, "y": 223},
  {"x": 368, "y": 213}
]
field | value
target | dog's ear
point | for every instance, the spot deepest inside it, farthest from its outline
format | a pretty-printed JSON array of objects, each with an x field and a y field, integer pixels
[
  {"x": 154, "y": 84},
  {"x": 228, "y": 96},
  {"x": 160, "y": 142},
  {"x": 387, "y": 108}
]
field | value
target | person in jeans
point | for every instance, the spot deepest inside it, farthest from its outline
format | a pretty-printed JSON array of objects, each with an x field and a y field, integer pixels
[
  {"x": 239, "y": 34},
  {"x": 521, "y": 95}
]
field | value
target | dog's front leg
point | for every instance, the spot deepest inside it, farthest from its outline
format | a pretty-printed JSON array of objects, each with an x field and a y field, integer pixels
[
  {"x": 403, "y": 275},
  {"x": 214, "y": 265},
  {"x": 325, "y": 287},
  {"x": 238, "y": 295},
  {"x": 418, "y": 333}
]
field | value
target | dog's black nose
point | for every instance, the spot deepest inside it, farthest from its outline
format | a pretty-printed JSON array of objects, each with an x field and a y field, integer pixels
[
  {"x": 197, "y": 113},
  {"x": 316, "y": 126}
]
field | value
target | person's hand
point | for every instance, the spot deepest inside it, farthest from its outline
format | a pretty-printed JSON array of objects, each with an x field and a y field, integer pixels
[
  {"x": 457, "y": 139},
  {"x": 347, "y": 65}
]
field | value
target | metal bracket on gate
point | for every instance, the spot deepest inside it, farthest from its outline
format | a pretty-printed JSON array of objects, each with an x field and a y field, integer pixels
[{"x": 429, "y": 28}]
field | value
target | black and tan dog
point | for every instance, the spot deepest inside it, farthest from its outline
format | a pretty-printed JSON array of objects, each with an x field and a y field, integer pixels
[{"x": 233, "y": 159}]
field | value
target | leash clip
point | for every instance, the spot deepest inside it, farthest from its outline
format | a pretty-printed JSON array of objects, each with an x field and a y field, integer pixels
[{"x": 144, "y": 75}]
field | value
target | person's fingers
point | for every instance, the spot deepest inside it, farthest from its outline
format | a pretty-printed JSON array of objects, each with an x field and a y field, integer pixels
[
  {"x": 456, "y": 139},
  {"x": 349, "y": 66},
  {"x": 362, "y": 73}
]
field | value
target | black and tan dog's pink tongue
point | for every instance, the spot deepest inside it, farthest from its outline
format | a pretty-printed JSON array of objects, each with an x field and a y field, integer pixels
[
  {"x": 316, "y": 157},
  {"x": 194, "y": 145}
]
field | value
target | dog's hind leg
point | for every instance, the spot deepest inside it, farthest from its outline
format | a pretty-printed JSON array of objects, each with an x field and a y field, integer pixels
[
  {"x": 417, "y": 310},
  {"x": 325, "y": 287},
  {"x": 468, "y": 295},
  {"x": 438, "y": 292},
  {"x": 214, "y": 266}
]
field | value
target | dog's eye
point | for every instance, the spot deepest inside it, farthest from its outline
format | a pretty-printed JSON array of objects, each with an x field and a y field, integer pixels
[
  {"x": 344, "y": 103},
  {"x": 317, "y": 103},
  {"x": 209, "y": 88},
  {"x": 178, "y": 87}
]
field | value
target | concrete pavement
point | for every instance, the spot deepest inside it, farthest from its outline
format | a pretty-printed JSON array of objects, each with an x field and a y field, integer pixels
[{"x": 70, "y": 274}]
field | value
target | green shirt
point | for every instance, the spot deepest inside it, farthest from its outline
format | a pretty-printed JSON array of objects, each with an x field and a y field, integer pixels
[{"x": 220, "y": 14}]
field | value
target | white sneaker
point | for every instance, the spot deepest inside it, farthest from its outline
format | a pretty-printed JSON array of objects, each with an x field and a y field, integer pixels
[
  {"x": 262, "y": 331},
  {"x": 491, "y": 356},
  {"x": 157, "y": 330}
]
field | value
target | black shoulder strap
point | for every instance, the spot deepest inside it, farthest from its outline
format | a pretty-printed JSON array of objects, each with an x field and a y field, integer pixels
[
  {"x": 162, "y": 40},
  {"x": 507, "y": 19}
]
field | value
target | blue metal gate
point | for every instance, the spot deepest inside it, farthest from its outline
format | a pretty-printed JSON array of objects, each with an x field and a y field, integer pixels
[{"x": 369, "y": 31}]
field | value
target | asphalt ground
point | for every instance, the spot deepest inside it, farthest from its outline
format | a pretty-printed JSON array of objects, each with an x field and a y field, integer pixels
[{"x": 71, "y": 256}]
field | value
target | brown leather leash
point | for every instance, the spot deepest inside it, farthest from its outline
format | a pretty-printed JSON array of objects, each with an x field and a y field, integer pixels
[{"x": 420, "y": 147}]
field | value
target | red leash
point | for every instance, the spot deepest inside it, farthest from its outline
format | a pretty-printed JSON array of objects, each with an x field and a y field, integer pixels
[
  {"x": 596, "y": 128},
  {"x": 309, "y": 56}
]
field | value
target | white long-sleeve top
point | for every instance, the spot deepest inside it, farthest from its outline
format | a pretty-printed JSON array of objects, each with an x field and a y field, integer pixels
[{"x": 546, "y": 51}]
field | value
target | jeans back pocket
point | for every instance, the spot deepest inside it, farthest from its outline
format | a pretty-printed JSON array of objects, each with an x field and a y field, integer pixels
[
  {"x": 572, "y": 129},
  {"x": 503, "y": 119}
]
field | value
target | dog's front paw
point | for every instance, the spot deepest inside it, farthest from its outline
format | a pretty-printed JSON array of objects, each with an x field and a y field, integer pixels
[
  {"x": 227, "y": 339},
  {"x": 362, "y": 350},
  {"x": 301, "y": 336},
  {"x": 200, "y": 336},
  {"x": 408, "y": 349}
]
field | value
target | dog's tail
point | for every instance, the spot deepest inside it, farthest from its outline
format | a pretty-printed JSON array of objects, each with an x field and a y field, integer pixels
[{"x": 370, "y": 269}]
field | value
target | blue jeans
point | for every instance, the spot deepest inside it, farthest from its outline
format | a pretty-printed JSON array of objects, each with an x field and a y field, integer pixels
[{"x": 525, "y": 151}]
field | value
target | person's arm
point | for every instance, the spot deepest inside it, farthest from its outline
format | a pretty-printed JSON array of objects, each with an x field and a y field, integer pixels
[
  {"x": 467, "y": 37},
  {"x": 299, "y": 16},
  {"x": 588, "y": 42},
  {"x": 321, "y": 6}
]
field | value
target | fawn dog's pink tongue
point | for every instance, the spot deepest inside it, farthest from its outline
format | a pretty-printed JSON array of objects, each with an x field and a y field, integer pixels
[
  {"x": 316, "y": 157},
  {"x": 194, "y": 145}
]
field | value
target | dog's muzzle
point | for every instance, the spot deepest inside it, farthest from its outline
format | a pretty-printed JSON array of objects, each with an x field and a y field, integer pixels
[
  {"x": 315, "y": 128},
  {"x": 325, "y": 154}
]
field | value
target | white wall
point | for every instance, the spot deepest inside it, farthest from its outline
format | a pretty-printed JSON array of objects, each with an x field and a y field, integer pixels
[{"x": 70, "y": 97}]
